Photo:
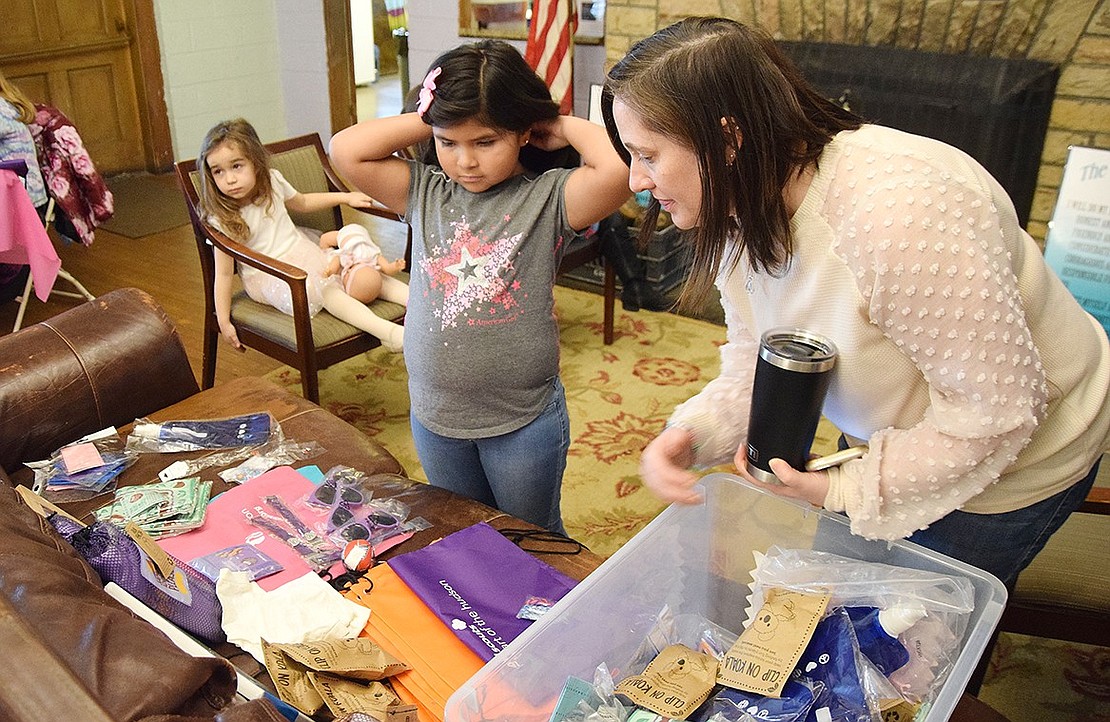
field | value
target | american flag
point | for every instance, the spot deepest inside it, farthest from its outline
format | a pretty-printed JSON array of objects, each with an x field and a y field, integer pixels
[{"x": 550, "y": 49}]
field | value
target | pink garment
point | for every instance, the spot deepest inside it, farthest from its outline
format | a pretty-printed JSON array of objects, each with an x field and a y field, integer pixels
[{"x": 23, "y": 238}]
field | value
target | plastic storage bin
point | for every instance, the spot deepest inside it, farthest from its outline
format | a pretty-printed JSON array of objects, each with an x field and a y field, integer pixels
[
  {"x": 696, "y": 559},
  {"x": 666, "y": 259}
]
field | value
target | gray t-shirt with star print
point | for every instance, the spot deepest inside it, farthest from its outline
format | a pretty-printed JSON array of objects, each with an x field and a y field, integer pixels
[{"x": 481, "y": 338}]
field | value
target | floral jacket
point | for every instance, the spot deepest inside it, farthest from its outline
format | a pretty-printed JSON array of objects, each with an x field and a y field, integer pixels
[{"x": 79, "y": 191}]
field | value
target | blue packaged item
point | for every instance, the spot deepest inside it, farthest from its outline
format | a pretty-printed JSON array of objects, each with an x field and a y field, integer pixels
[
  {"x": 734, "y": 705},
  {"x": 169, "y": 436},
  {"x": 877, "y": 633},
  {"x": 829, "y": 665}
]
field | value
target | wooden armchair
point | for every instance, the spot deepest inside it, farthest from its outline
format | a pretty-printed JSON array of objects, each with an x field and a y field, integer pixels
[
  {"x": 1065, "y": 592},
  {"x": 303, "y": 342},
  {"x": 584, "y": 250}
]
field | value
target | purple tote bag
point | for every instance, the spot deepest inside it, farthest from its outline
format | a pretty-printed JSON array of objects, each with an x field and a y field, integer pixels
[{"x": 476, "y": 581}]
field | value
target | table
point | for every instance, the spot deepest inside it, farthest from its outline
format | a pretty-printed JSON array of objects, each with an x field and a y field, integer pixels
[{"x": 448, "y": 512}]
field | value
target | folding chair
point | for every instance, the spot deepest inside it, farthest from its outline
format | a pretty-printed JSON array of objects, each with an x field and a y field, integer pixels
[{"x": 20, "y": 168}]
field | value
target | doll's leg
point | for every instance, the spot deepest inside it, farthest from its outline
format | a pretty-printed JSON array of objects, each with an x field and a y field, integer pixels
[
  {"x": 395, "y": 290},
  {"x": 358, "y": 314},
  {"x": 329, "y": 239}
]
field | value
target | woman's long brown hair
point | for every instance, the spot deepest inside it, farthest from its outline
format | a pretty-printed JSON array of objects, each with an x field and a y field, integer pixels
[{"x": 684, "y": 82}]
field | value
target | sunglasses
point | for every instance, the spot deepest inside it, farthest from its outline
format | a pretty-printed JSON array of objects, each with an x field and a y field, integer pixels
[
  {"x": 374, "y": 525},
  {"x": 330, "y": 492}
]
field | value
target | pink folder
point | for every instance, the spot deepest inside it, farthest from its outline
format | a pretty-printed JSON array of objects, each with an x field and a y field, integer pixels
[{"x": 225, "y": 525}]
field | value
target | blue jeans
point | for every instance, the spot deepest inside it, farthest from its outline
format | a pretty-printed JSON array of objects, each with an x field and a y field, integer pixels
[
  {"x": 1004, "y": 544},
  {"x": 520, "y": 473}
]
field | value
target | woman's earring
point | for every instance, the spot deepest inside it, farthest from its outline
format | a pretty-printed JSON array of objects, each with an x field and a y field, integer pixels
[{"x": 730, "y": 156}]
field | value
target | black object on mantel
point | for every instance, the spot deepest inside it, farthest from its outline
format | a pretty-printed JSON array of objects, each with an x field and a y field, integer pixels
[{"x": 994, "y": 109}]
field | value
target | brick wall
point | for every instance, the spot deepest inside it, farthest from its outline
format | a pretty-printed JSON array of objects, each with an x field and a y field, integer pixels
[{"x": 1074, "y": 34}]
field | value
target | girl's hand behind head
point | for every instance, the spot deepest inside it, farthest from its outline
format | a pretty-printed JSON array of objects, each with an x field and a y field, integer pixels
[{"x": 548, "y": 135}]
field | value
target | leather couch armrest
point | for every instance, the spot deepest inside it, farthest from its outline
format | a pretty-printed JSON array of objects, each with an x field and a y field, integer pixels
[
  {"x": 103, "y": 363},
  {"x": 65, "y": 621}
]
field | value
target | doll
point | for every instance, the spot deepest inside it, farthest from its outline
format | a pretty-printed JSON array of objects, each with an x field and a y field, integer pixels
[{"x": 359, "y": 261}]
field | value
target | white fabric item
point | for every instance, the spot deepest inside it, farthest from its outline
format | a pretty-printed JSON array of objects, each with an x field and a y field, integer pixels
[{"x": 302, "y": 610}]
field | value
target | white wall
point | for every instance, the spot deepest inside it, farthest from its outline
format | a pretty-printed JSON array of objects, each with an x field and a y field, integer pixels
[
  {"x": 222, "y": 60},
  {"x": 304, "y": 68},
  {"x": 266, "y": 60},
  {"x": 362, "y": 41},
  {"x": 434, "y": 28}
]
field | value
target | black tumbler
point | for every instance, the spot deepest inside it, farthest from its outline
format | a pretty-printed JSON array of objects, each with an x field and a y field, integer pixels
[{"x": 792, "y": 376}]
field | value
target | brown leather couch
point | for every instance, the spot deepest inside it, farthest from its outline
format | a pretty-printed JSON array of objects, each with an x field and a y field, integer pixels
[{"x": 70, "y": 650}]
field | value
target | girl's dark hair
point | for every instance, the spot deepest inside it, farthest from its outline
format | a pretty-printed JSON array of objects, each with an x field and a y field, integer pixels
[
  {"x": 489, "y": 82},
  {"x": 214, "y": 203},
  {"x": 681, "y": 82}
]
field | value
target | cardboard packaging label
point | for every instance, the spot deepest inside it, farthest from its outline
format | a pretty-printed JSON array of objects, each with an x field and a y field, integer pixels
[{"x": 765, "y": 654}]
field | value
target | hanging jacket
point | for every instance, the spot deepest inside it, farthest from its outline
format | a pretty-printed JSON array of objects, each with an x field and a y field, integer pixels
[{"x": 82, "y": 199}]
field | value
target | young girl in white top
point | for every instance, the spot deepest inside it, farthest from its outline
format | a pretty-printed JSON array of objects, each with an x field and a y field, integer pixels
[
  {"x": 488, "y": 412},
  {"x": 249, "y": 201}
]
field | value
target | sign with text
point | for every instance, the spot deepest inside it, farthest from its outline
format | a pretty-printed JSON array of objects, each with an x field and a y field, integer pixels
[{"x": 1078, "y": 243}]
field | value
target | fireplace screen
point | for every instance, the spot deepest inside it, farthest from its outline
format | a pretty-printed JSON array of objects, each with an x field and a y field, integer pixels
[{"x": 994, "y": 109}]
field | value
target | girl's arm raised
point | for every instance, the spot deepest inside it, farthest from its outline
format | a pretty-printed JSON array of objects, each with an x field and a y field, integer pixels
[
  {"x": 600, "y": 185},
  {"x": 363, "y": 154}
]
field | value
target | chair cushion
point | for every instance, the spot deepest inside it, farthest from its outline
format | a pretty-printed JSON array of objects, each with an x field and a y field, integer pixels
[
  {"x": 1073, "y": 570},
  {"x": 271, "y": 323}
]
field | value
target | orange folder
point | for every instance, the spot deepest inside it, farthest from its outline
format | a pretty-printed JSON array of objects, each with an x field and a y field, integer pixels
[{"x": 404, "y": 626}]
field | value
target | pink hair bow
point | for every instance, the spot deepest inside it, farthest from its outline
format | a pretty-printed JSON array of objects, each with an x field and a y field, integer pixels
[{"x": 427, "y": 89}]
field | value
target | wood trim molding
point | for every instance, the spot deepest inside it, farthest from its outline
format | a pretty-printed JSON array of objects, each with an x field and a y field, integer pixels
[
  {"x": 341, "y": 68},
  {"x": 150, "y": 86}
]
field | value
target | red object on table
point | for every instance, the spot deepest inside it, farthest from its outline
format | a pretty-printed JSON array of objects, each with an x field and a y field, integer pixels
[{"x": 23, "y": 238}]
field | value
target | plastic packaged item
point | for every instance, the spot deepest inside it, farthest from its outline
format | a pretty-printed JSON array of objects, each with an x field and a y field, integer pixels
[
  {"x": 733, "y": 705},
  {"x": 279, "y": 452},
  {"x": 911, "y": 596},
  {"x": 84, "y": 469},
  {"x": 929, "y": 642},
  {"x": 829, "y": 664},
  {"x": 697, "y": 560},
  {"x": 193, "y": 435},
  {"x": 877, "y": 632},
  {"x": 238, "y": 558}
]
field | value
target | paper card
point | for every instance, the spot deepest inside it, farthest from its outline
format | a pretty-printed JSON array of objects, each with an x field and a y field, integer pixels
[
  {"x": 674, "y": 684},
  {"x": 81, "y": 457},
  {"x": 763, "y": 657}
]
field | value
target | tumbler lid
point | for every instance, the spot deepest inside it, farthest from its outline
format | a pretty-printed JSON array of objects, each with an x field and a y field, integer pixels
[{"x": 796, "y": 349}]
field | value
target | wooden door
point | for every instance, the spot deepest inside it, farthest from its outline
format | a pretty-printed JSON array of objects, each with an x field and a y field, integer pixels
[{"x": 81, "y": 56}]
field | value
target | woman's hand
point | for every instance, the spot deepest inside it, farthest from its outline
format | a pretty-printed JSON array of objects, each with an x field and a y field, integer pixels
[
  {"x": 360, "y": 200},
  {"x": 227, "y": 330},
  {"x": 548, "y": 135},
  {"x": 665, "y": 466},
  {"x": 809, "y": 486}
]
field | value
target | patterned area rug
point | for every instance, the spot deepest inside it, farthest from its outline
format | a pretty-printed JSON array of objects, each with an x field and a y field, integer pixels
[{"x": 619, "y": 397}]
